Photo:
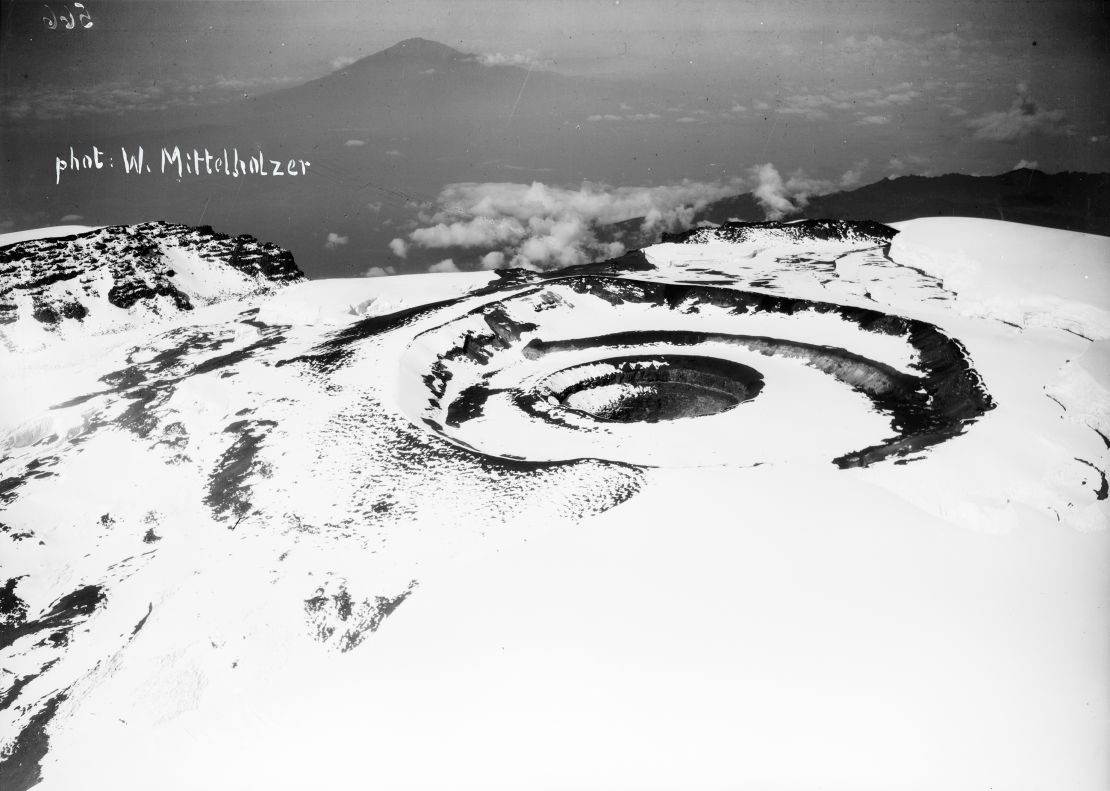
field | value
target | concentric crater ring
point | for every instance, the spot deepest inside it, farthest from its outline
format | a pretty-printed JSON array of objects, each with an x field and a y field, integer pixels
[
  {"x": 515, "y": 377},
  {"x": 650, "y": 388}
]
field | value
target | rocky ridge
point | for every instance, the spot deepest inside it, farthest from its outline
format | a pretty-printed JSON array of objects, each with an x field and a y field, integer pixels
[{"x": 109, "y": 276}]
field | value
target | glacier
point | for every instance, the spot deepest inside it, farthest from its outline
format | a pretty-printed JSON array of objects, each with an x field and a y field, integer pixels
[{"x": 795, "y": 505}]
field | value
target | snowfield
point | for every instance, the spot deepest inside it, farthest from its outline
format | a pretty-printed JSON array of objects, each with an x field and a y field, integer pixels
[
  {"x": 14, "y": 237},
  {"x": 550, "y": 531}
]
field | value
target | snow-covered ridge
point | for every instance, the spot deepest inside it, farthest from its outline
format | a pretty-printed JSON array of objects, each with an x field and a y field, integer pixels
[
  {"x": 50, "y": 232},
  {"x": 113, "y": 278},
  {"x": 804, "y": 231}
]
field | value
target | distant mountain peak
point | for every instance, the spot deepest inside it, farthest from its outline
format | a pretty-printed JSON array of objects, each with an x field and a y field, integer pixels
[{"x": 423, "y": 48}]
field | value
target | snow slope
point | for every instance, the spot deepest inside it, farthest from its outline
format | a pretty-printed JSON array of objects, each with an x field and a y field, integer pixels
[
  {"x": 1024, "y": 274},
  {"x": 370, "y": 534}
]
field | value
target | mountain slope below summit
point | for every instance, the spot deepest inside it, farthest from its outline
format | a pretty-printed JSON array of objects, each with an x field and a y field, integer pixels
[
  {"x": 419, "y": 80},
  {"x": 1070, "y": 201}
]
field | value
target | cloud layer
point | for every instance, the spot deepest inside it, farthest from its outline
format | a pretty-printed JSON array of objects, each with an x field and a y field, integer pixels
[
  {"x": 116, "y": 97},
  {"x": 540, "y": 226},
  {"x": 528, "y": 60},
  {"x": 1025, "y": 117},
  {"x": 817, "y": 106}
]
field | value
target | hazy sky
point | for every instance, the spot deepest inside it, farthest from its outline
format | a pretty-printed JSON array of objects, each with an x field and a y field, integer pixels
[
  {"x": 292, "y": 39},
  {"x": 786, "y": 53},
  {"x": 835, "y": 93}
]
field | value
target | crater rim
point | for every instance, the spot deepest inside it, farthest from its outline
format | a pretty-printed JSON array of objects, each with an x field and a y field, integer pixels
[{"x": 651, "y": 387}]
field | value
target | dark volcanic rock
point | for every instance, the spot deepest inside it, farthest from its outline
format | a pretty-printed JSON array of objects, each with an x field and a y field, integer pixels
[
  {"x": 66, "y": 613},
  {"x": 339, "y": 616},
  {"x": 229, "y": 490},
  {"x": 829, "y": 230},
  {"x": 21, "y": 768},
  {"x": 13, "y": 610}
]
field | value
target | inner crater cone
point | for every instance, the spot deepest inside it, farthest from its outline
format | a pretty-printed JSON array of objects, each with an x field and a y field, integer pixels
[{"x": 650, "y": 388}]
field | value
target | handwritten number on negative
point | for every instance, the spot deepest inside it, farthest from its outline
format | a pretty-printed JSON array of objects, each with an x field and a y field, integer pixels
[{"x": 68, "y": 20}]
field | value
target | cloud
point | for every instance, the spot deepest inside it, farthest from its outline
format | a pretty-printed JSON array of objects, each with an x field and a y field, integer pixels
[
  {"x": 446, "y": 265},
  {"x": 901, "y": 96},
  {"x": 1025, "y": 117},
  {"x": 126, "y": 95},
  {"x": 817, "y": 106},
  {"x": 873, "y": 120},
  {"x": 241, "y": 85},
  {"x": 780, "y": 198},
  {"x": 334, "y": 240},
  {"x": 853, "y": 176},
  {"x": 771, "y": 192},
  {"x": 606, "y": 117},
  {"x": 399, "y": 247},
  {"x": 1021, "y": 165},
  {"x": 393, "y": 152},
  {"x": 686, "y": 120},
  {"x": 375, "y": 206},
  {"x": 72, "y": 218},
  {"x": 494, "y": 260},
  {"x": 355, "y": 143},
  {"x": 913, "y": 46},
  {"x": 541, "y": 226},
  {"x": 342, "y": 62},
  {"x": 899, "y": 164},
  {"x": 529, "y": 60},
  {"x": 379, "y": 271},
  {"x": 811, "y": 114}
]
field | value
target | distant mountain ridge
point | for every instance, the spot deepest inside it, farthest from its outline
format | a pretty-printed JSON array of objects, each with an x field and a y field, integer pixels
[{"x": 1069, "y": 201}]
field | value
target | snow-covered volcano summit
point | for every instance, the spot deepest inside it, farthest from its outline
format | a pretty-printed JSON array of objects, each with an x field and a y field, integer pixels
[
  {"x": 799, "y": 506},
  {"x": 108, "y": 279}
]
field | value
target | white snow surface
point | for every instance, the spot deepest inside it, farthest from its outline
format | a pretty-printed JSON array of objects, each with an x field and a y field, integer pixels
[
  {"x": 1025, "y": 274},
  {"x": 14, "y": 237},
  {"x": 340, "y": 300},
  {"x": 392, "y": 610}
]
